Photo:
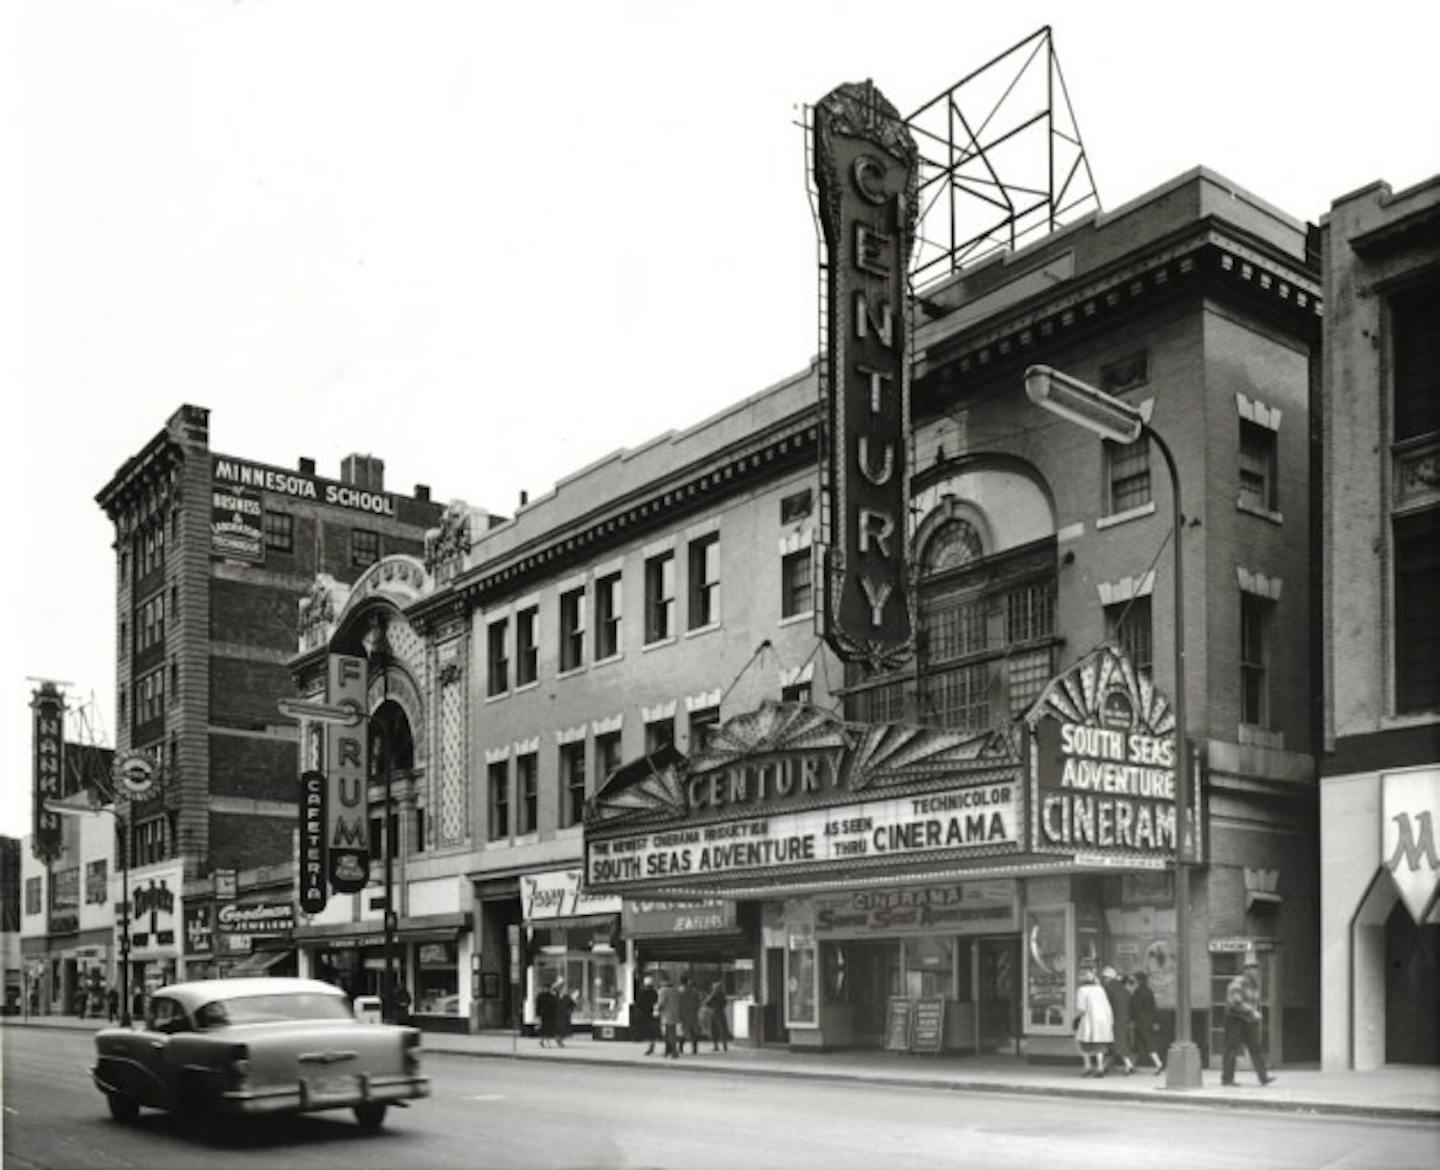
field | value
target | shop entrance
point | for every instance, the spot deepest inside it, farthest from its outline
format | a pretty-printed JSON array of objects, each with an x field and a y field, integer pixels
[
  {"x": 1412, "y": 972},
  {"x": 871, "y": 972},
  {"x": 997, "y": 986}
]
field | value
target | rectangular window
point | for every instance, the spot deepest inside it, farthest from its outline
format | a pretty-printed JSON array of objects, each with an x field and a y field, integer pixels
[
  {"x": 572, "y": 783},
  {"x": 279, "y": 531},
  {"x": 608, "y": 607},
  {"x": 660, "y": 597},
  {"x": 959, "y": 698},
  {"x": 796, "y": 507},
  {"x": 1254, "y": 659},
  {"x": 658, "y": 734},
  {"x": 417, "y": 841},
  {"x": 796, "y": 587},
  {"x": 955, "y": 631},
  {"x": 527, "y": 649},
  {"x": 497, "y": 678},
  {"x": 149, "y": 548},
  {"x": 1125, "y": 374},
  {"x": 1026, "y": 676},
  {"x": 1417, "y": 633},
  {"x": 1128, "y": 624},
  {"x": 1257, "y": 466},
  {"x": 32, "y": 895},
  {"x": 150, "y": 841},
  {"x": 1127, "y": 475},
  {"x": 703, "y": 725},
  {"x": 572, "y": 629},
  {"x": 150, "y": 623},
  {"x": 1030, "y": 613},
  {"x": 607, "y": 756},
  {"x": 527, "y": 793},
  {"x": 150, "y": 697},
  {"x": 796, "y": 693},
  {"x": 705, "y": 581},
  {"x": 1415, "y": 358},
  {"x": 497, "y": 779},
  {"x": 364, "y": 547}
]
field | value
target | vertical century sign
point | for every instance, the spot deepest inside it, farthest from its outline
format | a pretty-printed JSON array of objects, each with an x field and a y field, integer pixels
[
  {"x": 347, "y": 818},
  {"x": 48, "y": 704},
  {"x": 866, "y": 174}
]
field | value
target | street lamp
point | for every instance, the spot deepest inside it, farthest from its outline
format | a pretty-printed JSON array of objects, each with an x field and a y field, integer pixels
[{"x": 1110, "y": 418}]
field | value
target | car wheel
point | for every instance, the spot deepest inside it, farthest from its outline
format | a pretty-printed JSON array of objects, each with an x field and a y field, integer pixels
[
  {"x": 122, "y": 1108},
  {"x": 371, "y": 1116}
]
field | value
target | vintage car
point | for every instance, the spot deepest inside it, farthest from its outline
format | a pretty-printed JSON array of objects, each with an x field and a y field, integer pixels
[{"x": 230, "y": 1047}]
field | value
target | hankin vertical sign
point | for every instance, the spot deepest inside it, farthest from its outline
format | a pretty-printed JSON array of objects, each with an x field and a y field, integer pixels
[
  {"x": 347, "y": 836},
  {"x": 48, "y": 704},
  {"x": 866, "y": 174}
]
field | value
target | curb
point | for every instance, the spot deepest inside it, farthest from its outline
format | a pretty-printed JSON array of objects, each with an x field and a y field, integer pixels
[{"x": 1008, "y": 1088}]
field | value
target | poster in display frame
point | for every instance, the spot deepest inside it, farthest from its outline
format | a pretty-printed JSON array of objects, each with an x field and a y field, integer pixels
[{"x": 897, "y": 1023}]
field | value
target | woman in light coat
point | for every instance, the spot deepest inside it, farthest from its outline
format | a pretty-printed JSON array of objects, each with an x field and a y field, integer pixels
[{"x": 1094, "y": 1023}]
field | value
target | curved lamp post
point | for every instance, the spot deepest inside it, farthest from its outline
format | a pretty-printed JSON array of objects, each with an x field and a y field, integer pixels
[{"x": 1110, "y": 418}]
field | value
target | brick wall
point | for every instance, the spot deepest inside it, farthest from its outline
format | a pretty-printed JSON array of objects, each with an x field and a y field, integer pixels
[
  {"x": 245, "y": 692},
  {"x": 254, "y": 613},
  {"x": 245, "y": 842},
  {"x": 252, "y": 766}
]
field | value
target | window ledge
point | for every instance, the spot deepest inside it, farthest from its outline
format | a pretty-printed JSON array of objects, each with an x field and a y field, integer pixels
[
  {"x": 805, "y": 615},
  {"x": 1255, "y": 510},
  {"x": 614, "y": 658},
  {"x": 499, "y": 843},
  {"x": 708, "y": 628},
  {"x": 569, "y": 832},
  {"x": 572, "y": 672},
  {"x": 1122, "y": 517},
  {"x": 521, "y": 688},
  {"x": 1253, "y": 735},
  {"x": 530, "y": 838},
  {"x": 659, "y": 642},
  {"x": 1399, "y": 722},
  {"x": 495, "y": 698}
]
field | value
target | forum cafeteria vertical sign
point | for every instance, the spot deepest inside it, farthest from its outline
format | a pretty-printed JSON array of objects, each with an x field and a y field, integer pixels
[
  {"x": 347, "y": 837},
  {"x": 866, "y": 174}
]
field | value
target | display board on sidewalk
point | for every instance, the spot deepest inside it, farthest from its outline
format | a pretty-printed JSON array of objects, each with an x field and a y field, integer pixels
[
  {"x": 928, "y": 1031},
  {"x": 897, "y": 1024}
]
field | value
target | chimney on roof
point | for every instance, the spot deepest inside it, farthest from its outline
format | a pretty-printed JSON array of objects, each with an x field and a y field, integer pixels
[
  {"x": 365, "y": 472},
  {"x": 191, "y": 424},
  {"x": 306, "y": 465},
  {"x": 422, "y": 492}
]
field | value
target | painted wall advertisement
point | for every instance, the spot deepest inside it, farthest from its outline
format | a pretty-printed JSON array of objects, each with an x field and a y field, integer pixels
[
  {"x": 156, "y": 916},
  {"x": 237, "y": 523}
]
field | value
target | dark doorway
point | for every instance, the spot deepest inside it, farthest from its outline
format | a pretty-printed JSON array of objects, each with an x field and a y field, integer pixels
[
  {"x": 998, "y": 988},
  {"x": 872, "y": 976},
  {"x": 1412, "y": 973}
]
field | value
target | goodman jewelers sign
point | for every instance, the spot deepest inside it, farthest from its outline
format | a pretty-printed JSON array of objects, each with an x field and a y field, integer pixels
[{"x": 1101, "y": 748}]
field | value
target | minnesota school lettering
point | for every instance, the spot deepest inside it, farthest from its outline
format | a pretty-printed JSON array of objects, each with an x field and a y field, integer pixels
[{"x": 303, "y": 487}]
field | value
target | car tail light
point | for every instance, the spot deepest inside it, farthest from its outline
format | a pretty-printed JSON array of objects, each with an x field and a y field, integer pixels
[
  {"x": 412, "y": 1050},
  {"x": 239, "y": 1064}
]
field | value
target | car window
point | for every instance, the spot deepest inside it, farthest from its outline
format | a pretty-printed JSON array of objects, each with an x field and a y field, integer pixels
[
  {"x": 261, "y": 1009},
  {"x": 166, "y": 1015}
]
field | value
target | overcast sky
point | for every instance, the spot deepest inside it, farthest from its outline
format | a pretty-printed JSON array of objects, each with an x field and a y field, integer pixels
[{"x": 492, "y": 243}]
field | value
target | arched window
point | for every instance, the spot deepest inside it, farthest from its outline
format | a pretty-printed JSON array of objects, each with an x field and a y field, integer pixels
[
  {"x": 391, "y": 743},
  {"x": 956, "y": 542}
]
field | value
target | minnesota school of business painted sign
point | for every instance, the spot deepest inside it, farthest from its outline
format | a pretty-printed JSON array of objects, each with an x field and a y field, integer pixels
[{"x": 233, "y": 473}]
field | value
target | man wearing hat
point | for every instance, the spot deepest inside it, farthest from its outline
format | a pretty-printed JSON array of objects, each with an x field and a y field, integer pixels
[
  {"x": 1119, "y": 996},
  {"x": 1242, "y": 1022}
]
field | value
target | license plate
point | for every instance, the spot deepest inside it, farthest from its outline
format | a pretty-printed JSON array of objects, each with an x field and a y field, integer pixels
[{"x": 332, "y": 1088}]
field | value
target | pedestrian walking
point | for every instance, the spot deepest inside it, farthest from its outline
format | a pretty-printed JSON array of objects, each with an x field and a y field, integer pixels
[
  {"x": 668, "y": 1006},
  {"x": 647, "y": 1024},
  {"x": 564, "y": 1009},
  {"x": 1119, "y": 997},
  {"x": 714, "y": 1007},
  {"x": 137, "y": 1004},
  {"x": 545, "y": 1014},
  {"x": 112, "y": 1004},
  {"x": 1143, "y": 1023},
  {"x": 1242, "y": 1023},
  {"x": 1094, "y": 1023},
  {"x": 689, "y": 1014},
  {"x": 401, "y": 999}
]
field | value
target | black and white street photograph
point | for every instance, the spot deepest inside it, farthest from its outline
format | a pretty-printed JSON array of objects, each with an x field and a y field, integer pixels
[{"x": 667, "y": 585}]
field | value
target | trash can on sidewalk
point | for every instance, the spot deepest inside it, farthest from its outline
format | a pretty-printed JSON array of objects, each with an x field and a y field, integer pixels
[{"x": 367, "y": 1009}]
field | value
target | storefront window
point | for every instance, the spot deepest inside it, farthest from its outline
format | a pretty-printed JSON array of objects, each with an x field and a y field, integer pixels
[
  {"x": 930, "y": 967},
  {"x": 437, "y": 980},
  {"x": 1047, "y": 969},
  {"x": 590, "y": 968},
  {"x": 801, "y": 982}
]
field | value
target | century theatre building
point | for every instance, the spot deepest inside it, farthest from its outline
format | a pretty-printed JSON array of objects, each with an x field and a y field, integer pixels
[{"x": 978, "y": 819}]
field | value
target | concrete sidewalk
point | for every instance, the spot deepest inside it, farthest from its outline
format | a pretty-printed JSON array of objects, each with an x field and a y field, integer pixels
[{"x": 1407, "y": 1093}]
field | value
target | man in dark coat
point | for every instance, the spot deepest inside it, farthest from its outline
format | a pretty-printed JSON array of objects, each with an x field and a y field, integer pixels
[
  {"x": 667, "y": 1006},
  {"x": 1242, "y": 1023},
  {"x": 564, "y": 1009},
  {"x": 545, "y": 1014},
  {"x": 1142, "y": 1020},
  {"x": 689, "y": 1014},
  {"x": 1119, "y": 1008},
  {"x": 647, "y": 1025}
]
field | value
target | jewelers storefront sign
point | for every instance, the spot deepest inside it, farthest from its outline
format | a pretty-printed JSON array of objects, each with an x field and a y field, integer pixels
[{"x": 1101, "y": 754}]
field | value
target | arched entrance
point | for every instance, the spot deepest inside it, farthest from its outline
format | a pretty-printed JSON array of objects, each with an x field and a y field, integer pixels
[{"x": 1396, "y": 968}]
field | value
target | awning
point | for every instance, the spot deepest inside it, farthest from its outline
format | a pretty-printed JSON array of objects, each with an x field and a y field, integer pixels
[{"x": 257, "y": 963}]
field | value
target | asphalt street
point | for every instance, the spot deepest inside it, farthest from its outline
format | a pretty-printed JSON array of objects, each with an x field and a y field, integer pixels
[{"x": 489, "y": 1112}]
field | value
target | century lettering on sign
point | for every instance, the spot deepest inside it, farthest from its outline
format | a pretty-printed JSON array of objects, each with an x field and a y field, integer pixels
[{"x": 866, "y": 174}]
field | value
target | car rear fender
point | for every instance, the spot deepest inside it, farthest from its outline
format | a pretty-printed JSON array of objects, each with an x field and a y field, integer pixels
[{"x": 317, "y": 1051}]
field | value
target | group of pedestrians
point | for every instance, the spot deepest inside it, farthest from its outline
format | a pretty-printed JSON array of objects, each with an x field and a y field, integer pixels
[
  {"x": 679, "y": 1015},
  {"x": 1115, "y": 1022},
  {"x": 554, "y": 1007}
]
